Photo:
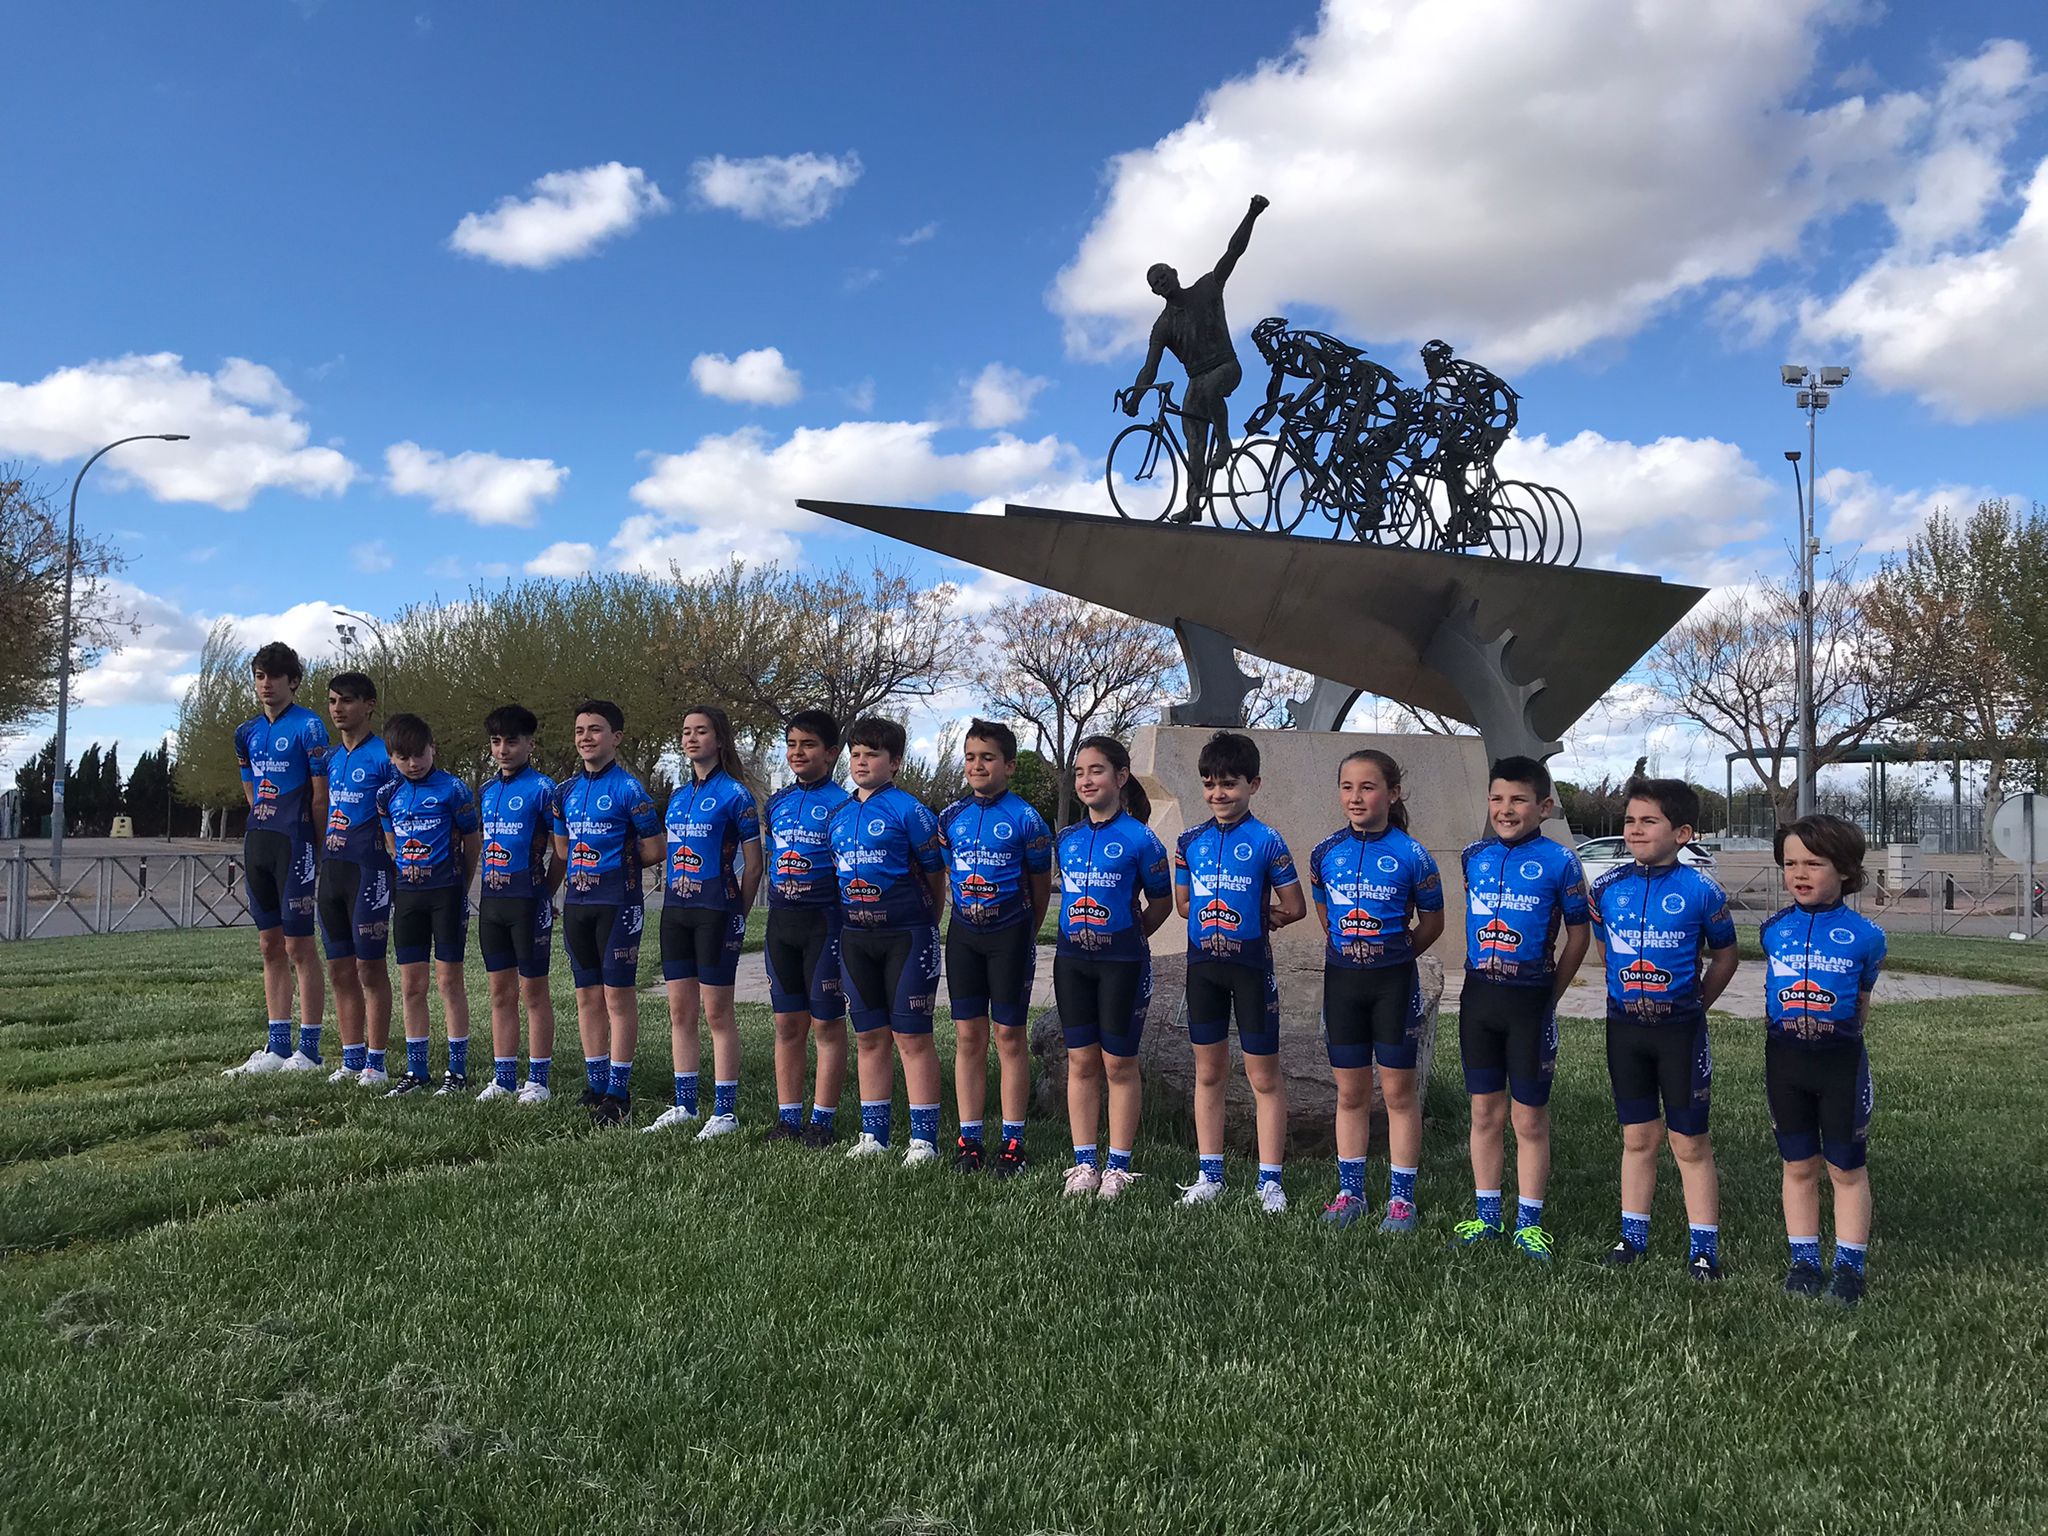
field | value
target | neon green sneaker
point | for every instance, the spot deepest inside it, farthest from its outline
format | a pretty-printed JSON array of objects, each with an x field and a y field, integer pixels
[
  {"x": 1533, "y": 1242},
  {"x": 1469, "y": 1234}
]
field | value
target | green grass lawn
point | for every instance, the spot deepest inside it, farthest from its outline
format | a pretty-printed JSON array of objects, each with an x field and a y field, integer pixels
[{"x": 270, "y": 1305}]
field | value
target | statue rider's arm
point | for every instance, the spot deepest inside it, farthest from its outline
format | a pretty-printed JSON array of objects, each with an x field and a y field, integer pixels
[
  {"x": 1150, "y": 371},
  {"x": 1239, "y": 241}
]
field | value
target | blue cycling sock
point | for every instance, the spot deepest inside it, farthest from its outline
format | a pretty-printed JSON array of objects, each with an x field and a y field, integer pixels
[
  {"x": 1635, "y": 1227},
  {"x": 1706, "y": 1243},
  {"x": 1084, "y": 1156},
  {"x": 505, "y": 1072},
  {"x": 1401, "y": 1184},
  {"x": 1528, "y": 1213},
  {"x": 619, "y": 1081},
  {"x": 1120, "y": 1159},
  {"x": 924, "y": 1123},
  {"x": 352, "y": 1057},
  {"x": 1351, "y": 1177},
  {"x": 1486, "y": 1206},
  {"x": 537, "y": 1070},
  {"x": 373, "y": 1061},
  {"x": 1851, "y": 1254},
  {"x": 598, "y": 1069},
  {"x": 686, "y": 1092},
  {"x": 1013, "y": 1130},
  {"x": 970, "y": 1131},
  {"x": 1805, "y": 1250},
  {"x": 280, "y": 1037},
  {"x": 875, "y": 1115},
  {"x": 725, "y": 1098},
  {"x": 416, "y": 1058},
  {"x": 824, "y": 1114},
  {"x": 458, "y": 1056},
  {"x": 1212, "y": 1168},
  {"x": 1269, "y": 1173},
  {"x": 309, "y": 1040},
  {"x": 791, "y": 1115}
]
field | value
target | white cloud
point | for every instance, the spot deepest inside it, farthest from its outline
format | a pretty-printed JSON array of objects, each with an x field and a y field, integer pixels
[
  {"x": 569, "y": 214},
  {"x": 785, "y": 190},
  {"x": 1862, "y": 514},
  {"x": 562, "y": 559},
  {"x": 247, "y": 434},
  {"x": 759, "y": 377},
  {"x": 145, "y": 670},
  {"x": 1970, "y": 123},
  {"x": 1523, "y": 179},
  {"x": 919, "y": 235},
  {"x": 1001, "y": 397},
  {"x": 488, "y": 490},
  {"x": 371, "y": 557}
]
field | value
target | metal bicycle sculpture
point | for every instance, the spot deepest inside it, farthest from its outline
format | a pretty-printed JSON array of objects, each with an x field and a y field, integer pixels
[{"x": 1375, "y": 459}]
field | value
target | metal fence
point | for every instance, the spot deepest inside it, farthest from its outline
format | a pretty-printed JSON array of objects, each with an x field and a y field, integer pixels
[
  {"x": 121, "y": 893},
  {"x": 1936, "y": 900}
]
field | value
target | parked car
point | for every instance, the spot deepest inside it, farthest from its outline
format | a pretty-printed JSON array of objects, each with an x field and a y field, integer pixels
[{"x": 1597, "y": 855}]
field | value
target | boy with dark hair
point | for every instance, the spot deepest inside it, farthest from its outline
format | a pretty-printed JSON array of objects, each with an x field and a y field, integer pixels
[
  {"x": 356, "y": 880},
  {"x": 1655, "y": 917},
  {"x": 892, "y": 887},
  {"x": 607, "y": 829},
  {"x": 999, "y": 855},
  {"x": 516, "y": 915},
  {"x": 282, "y": 753},
  {"x": 1235, "y": 883},
  {"x": 1520, "y": 890},
  {"x": 431, "y": 828},
  {"x": 802, "y": 947}
]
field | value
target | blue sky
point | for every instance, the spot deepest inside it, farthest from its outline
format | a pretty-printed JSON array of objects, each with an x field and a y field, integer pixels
[{"x": 1635, "y": 220}]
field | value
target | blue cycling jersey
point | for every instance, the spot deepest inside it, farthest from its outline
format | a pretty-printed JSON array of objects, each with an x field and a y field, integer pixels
[
  {"x": 709, "y": 822},
  {"x": 1652, "y": 925},
  {"x": 279, "y": 760},
  {"x": 882, "y": 846},
  {"x": 1365, "y": 883},
  {"x": 603, "y": 816},
  {"x": 1228, "y": 872},
  {"x": 426, "y": 820},
  {"x": 355, "y": 775},
  {"x": 1822, "y": 961},
  {"x": 1516, "y": 896},
  {"x": 515, "y": 817},
  {"x": 799, "y": 851},
  {"x": 991, "y": 846},
  {"x": 1103, "y": 868}
]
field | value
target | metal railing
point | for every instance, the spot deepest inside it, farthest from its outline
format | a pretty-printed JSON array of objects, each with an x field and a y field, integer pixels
[{"x": 120, "y": 893}]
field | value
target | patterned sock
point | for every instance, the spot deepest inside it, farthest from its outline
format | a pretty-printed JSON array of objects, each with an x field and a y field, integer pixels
[
  {"x": 1401, "y": 1184},
  {"x": 1013, "y": 1130},
  {"x": 686, "y": 1092},
  {"x": 373, "y": 1061},
  {"x": 1528, "y": 1213},
  {"x": 725, "y": 1098},
  {"x": 537, "y": 1070},
  {"x": 1635, "y": 1226},
  {"x": 791, "y": 1115},
  {"x": 352, "y": 1057},
  {"x": 598, "y": 1069},
  {"x": 280, "y": 1037},
  {"x": 1212, "y": 1168},
  {"x": 970, "y": 1132},
  {"x": 1851, "y": 1254},
  {"x": 875, "y": 1115},
  {"x": 1084, "y": 1156},
  {"x": 1806, "y": 1250},
  {"x": 924, "y": 1123},
  {"x": 619, "y": 1081},
  {"x": 505, "y": 1072},
  {"x": 1486, "y": 1206},
  {"x": 1269, "y": 1173},
  {"x": 415, "y": 1057},
  {"x": 1706, "y": 1242},
  {"x": 309, "y": 1040},
  {"x": 1351, "y": 1177},
  {"x": 824, "y": 1114},
  {"x": 1120, "y": 1159},
  {"x": 458, "y": 1056}
]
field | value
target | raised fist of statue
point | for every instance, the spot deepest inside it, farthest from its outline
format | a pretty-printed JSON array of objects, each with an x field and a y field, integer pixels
[{"x": 1260, "y": 204}]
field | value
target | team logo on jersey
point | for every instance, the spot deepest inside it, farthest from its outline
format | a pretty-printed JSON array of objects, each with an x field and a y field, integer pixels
[
  {"x": 1645, "y": 976},
  {"x": 1004, "y": 829},
  {"x": 337, "y": 820},
  {"x": 517, "y": 802},
  {"x": 583, "y": 856},
  {"x": 709, "y": 802},
  {"x": 1806, "y": 996},
  {"x": 497, "y": 856},
  {"x": 1359, "y": 924},
  {"x": 1112, "y": 850},
  {"x": 978, "y": 887},
  {"x": 1674, "y": 903},
  {"x": 1532, "y": 869},
  {"x": 688, "y": 860},
  {"x": 789, "y": 863},
  {"x": 857, "y": 889},
  {"x": 265, "y": 790},
  {"x": 819, "y": 813},
  {"x": 1841, "y": 936},
  {"x": 1242, "y": 853},
  {"x": 1218, "y": 913},
  {"x": 357, "y": 775},
  {"x": 1087, "y": 911},
  {"x": 413, "y": 851},
  {"x": 1388, "y": 864},
  {"x": 1499, "y": 937},
  {"x": 604, "y": 802},
  {"x": 284, "y": 743},
  {"x": 877, "y": 827}
]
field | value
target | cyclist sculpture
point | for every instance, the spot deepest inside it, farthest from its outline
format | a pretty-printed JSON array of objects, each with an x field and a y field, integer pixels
[{"x": 1468, "y": 412}]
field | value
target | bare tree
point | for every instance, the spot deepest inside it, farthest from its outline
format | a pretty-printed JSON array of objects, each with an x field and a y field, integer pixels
[
  {"x": 1068, "y": 670},
  {"x": 1265, "y": 707},
  {"x": 32, "y": 600}
]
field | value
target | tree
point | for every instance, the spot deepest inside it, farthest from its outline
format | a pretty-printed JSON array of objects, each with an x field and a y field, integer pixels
[
  {"x": 36, "y": 781},
  {"x": 82, "y": 794},
  {"x": 1068, "y": 670},
  {"x": 148, "y": 793},
  {"x": 215, "y": 702},
  {"x": 1265, "y": 707},
  {"x": 32, "y": 600}
]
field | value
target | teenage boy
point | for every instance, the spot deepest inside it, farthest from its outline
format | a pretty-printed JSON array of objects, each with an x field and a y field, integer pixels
[
  {"x": 892, "y": 887},
  {"x": 1655, "y": 916},
  {"x": 999, "y": 865},
  {"x": 1521, "y": 889},
  {"x": 516, "y": 916},
  {"x": 431, "y": 827},
  {"x": 1235, "y": 883},
  {"x": 802, "y": 948},
  {"x": 282, "y": 752},
  {"x": 356, "y": 880},
  {"x": 607, "y": 829}
]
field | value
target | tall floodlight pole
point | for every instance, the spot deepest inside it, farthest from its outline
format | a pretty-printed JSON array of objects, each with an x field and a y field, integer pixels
[
  {"x": 1815, "y": 388},
  {"x": 64, "y": 652}
]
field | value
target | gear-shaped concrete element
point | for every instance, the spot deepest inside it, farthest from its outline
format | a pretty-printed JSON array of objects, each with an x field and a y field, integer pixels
[
  {"x": 1328, "y": 702},
  {"x": 1477, "y": 668},
  {"x": 1217, "y": 685}
]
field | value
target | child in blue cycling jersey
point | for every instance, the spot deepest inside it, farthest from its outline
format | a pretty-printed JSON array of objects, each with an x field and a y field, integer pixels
[
  {"x": 1114, "y": 883},
  {"x": 516, "y": 915},
  {"x": 1523, "y": 894},
  {"x": 892, "y": 888},
  {"x": 713, "y": 871},
  {"x": 356, "y": 878},
  {"x": 434, "y": 837},
  {"x": 999, "y": 863},
  {"x": 1654, "y": 918},
  {"x": 1824, "y": 960},
  {"x": 1235, "y": 883},
  {"x": 1381, "y": 902}
]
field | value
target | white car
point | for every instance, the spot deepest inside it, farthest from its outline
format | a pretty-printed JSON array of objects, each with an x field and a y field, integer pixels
[{"x": 1600, "y": 854}]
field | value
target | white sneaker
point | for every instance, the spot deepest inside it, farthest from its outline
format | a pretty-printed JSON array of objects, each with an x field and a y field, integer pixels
[
  {"x": 1081, "y": 1179},
  {"x": 717, "y": 1126},
  {"x": 1272, "y": 1199},
  {"x": 920, "y": 1153},
  {"x": 672, "y": 1118},
  {"x": 867, "y": 1146},
  {"x": 531, "y": 1092},
  {"x": 493, "y": 1091},
  {"x": 260, "y": 1060},
  {"x": 1115, "y": 1182},
  {"x": 299, "y": 1061},
  {"x": 342, "y": 1075},
  {"x": 372, "y": 1077},
  {"x": 1201, "y": 1192}
]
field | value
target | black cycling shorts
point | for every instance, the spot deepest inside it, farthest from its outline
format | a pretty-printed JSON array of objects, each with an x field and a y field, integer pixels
[
  {"x": 603, "y": 940},
  {"x": 1102, "y": 1002},
  {"x": 354, "y": 905},
  {"x": 989, "y": 972},
  {"x": 802, "y": 956},
  {"x": 1821, "y": 1097},
  {"x": 891, "y": 976},
  {"x": 1370, "y": 1013},
  {"x": 701, "y": 944},
  {"x": 278, "y": 870},
  {"x": 1219, "y": 988},
  {"x": 1508, "y": 1038},
  {"x": 516, "y": 931},
  {"x": 1668, "y": 1061},
  {"x": 437, "y": 917}
]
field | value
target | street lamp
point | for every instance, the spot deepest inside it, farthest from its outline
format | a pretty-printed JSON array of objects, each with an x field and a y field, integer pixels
[
  {"x": 64, "y": 654},
  {"x": 1815, "y": 387},
  {"x": 352, "y": 639}
]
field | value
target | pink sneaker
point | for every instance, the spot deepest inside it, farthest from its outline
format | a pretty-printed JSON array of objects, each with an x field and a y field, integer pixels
[
  {"x": 1082, "y": 1179},
  {"x": 1115, "y": 1182}
]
